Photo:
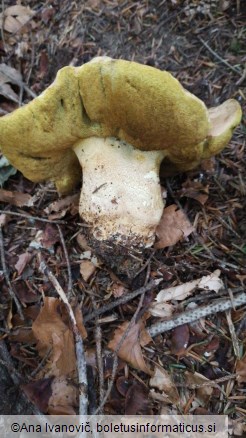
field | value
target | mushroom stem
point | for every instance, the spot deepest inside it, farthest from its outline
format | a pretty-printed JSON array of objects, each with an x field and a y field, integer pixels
[{"x": 121, "y": 196}]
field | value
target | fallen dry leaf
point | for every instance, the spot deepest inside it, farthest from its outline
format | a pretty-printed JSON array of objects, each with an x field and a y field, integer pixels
[
  {"x": 17, "y": 198},
  {"x": 62, "y": 205},
  {"x": 23, "y": 260},
  {"x": 82, "y": 242},
  {"x": 180, "y": 292},
  {"x": 194, "y": 190},
  {"x": 39, "y": 392},
  {"x": 64, "y": 397},
  {"x": 162, "y": 381},
  {"x": 8, "y": 92},
  {"x": 161, "y": 310},
  {"x": 203, "y": 393},
  {"x": 52, "y": 333},
  {"x": 241, "y": 369},
  {"x": 136, "y": 401},
  {"x": 173, "y": 226},
  {"x": 50, "y": 236},
  {"x": 9, "y": 74},
  {"x": 15, "y": 17},
  {"x": 118, "y": 290},
  {"x": 130, "y": 350},
  {"x": 3, "y": 220},
  {"x": 179, "y": 339},
  {"x": 47, "y": 14},
  {"x": 87, "y": 269}
]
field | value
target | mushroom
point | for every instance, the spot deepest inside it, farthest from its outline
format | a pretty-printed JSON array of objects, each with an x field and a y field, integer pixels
[{"x": 119, "y": 120}]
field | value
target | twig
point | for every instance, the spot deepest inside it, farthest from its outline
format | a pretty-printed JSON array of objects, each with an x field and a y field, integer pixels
[
  {"x": 195, "y": 314},
  {"x": 219, "y": 57},
  {"x": 81, "y": 363},
  {"x": 116, "y": 351},
  {"x": 122, "y": 300},
  {"x": 70, "y": 283},
  {"x": 233, "y": 334},
  {"x": 98, "y": 338},
  {"x": 6, "y": 276},
  {"x": 34, "y": 218},
  {"x": 208, "y": 383}
]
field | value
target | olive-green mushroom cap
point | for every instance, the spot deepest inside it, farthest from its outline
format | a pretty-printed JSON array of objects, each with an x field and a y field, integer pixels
[{"x": 142, "y": 105}]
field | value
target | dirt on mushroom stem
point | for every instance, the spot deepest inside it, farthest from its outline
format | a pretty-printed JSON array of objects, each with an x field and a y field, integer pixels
[{"x": 124, "y": 261}]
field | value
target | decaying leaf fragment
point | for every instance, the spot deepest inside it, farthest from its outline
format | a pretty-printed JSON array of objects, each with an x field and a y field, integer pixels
[
  {"x": 53, "y": 334},
  {"x": 15, "y": 17},
  {"x": 162, "y": 381},
  {"x": 241, "y": 370},
  {"x": 182, "y": 291},
  {"x": 130, "y": 350},
  {"x": 173, "y": 226}
]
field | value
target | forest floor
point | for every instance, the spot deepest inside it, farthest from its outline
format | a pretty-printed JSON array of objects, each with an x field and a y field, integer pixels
[{"x": 198, "y": 367}]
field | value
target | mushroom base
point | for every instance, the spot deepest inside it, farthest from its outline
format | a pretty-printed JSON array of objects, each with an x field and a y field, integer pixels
[
  {"x": 123, "y": 261},
  {"x": 121, "y": 197}
]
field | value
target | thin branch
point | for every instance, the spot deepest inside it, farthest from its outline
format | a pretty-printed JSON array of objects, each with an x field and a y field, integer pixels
[
  {"x": 70, "y": 282},
  {"x": 195, "y": 314},
  {"x": 34, "y": 218},
  {"x": 81, "y": 363},
  {"x": 122, "y": 300},
  {"x": 6, "y": 276},
  {"x": 219, "y": 57},
  {"x": 98, "y": 338}
]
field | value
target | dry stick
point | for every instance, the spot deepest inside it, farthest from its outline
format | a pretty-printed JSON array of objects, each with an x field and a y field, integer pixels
[
  {"x": 208, "y": 383},
  {"x": 6, "y": 276},
  {"x": 195, "y": 314},
  {"x": 219, "y": 57},
  {"x": 116, "y": 351},
  {"x": 34, "y": 218},
  {"x": 81, "y": 363},
  {"x": 70, "y": 283},
  {"x": 98, "y": 338},
  {"x": 151, "y": 285}
]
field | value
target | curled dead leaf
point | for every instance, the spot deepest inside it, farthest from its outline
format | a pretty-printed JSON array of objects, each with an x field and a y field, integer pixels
[
  {"x": 87, "y": 269},
  {"x": 162, "y": 381},
  {"x": 64, "y": 397},
  {"x": 173, "y": 226},
  {"x": 180, "y": 339},
  {"x": 130, "y": 350},
  {"x": 15, "y": 17},
  {"x": 52, "y": 333},
  {"x": 180, "y": 292},
  {"x": 23, "y": 260},
  {"x": 17, "y": 198},
  {"x": 204, "y": 391}
]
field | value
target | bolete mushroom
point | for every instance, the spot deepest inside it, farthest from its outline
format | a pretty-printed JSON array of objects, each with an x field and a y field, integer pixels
[{"x": 119, "y": 120}]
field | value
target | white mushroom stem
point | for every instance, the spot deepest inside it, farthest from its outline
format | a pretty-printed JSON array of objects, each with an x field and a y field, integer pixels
[{"x": 121, "y": 196}]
